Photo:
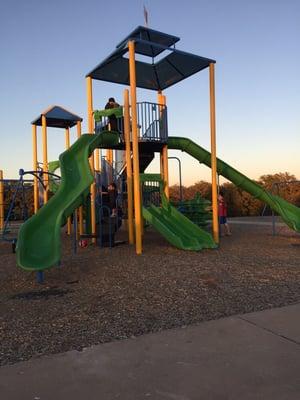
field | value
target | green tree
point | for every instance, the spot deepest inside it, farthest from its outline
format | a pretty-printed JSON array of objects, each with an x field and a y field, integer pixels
[
  {"x": 241, "y": 203},
  {"x": 284, "y": 185}
]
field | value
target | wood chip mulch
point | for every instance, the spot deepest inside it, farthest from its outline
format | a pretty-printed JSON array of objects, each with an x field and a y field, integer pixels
[{"x": 101, "y": 295}]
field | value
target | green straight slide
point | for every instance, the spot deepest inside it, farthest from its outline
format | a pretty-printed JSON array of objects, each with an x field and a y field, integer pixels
[
  {"x": 39, "y": 241},
  {"x": 288, "y": 212},
  {"x": 176, "y": 228}
]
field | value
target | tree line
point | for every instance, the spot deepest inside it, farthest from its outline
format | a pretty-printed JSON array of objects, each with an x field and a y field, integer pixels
[
  {"x": 23, "y": 200},
  {"x": 241, "y": 203}
]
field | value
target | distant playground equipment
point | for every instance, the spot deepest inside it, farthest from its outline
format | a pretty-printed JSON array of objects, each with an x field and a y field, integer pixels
[
  {"x": 14, "y": 205},
  {"x": 19, "y": 205},
  {"x": 142, "y": 130},
  {"x": 276, "y": 189},
  {"x": 179, "y": 175},
  {"x": 198, "y": 210}
]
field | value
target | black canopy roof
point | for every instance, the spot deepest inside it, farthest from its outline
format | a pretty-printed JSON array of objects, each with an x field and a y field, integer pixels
[
  {"x": 57, "y": 117},
  {"x": 149, "y": 35},
  {"x": 156, "y": 75}
]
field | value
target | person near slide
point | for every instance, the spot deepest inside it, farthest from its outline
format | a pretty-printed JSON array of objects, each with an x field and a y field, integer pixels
[{"x": 224, "y": 227}]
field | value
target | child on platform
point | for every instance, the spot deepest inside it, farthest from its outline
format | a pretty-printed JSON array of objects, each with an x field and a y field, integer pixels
[{"x": 112, "y": 119}]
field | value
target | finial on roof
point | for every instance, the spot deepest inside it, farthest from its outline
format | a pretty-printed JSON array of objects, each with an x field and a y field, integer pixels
[{"x": 146, "y": 17}]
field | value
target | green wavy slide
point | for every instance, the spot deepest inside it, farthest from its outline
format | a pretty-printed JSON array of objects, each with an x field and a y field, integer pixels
[
  {"x": 39, "y": 239},
  {"x": 288, "y": 212},
  {"x": 176, "y": 228}
]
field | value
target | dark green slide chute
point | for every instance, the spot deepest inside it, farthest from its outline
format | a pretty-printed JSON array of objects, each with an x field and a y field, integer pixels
[
  {"x": 180, "y": 231},
  {"x": 288, "y": 212},
  {"x": 39, "y": 239},
  {"x": 176, "y": 228}
]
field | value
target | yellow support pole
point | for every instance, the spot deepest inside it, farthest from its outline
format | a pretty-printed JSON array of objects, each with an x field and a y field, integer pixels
[
  {"x": 160, "y": 101},
  {"x": 135, "y": 150},
  {"x": 164, "y": 170},
  {"x": 45, "y": 157},
  {"x": 97, "y": 160},
  {"x": 109, "y": 156},
  {"x": 78, "y": 126},
  {"x": 161, "y": 165},
  {"x": 1, "y": 202},
  {"x": 67, "y": 138},
  {"x": 128, "y": 167},
  {"x": 213, "y": 152},
  {"x": 80, "y": 214},
  {"x": 165, "y": 161},
  {"x": 91, "y": 125},
  {"x": 35, "y": 168},
  {"x": 67, "y": 141},
  {"x": 91, "y": 130},
  {"x": 109, "y": 152},
  {"x": 89, "y": 90}
]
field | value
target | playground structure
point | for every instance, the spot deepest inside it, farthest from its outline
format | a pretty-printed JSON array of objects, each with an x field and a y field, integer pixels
[
  {"x": 44, "y": 180},
  {"x": 54, "y": 117},
  {"x": 276, "y": 189},
  {"x": 144, "y": 132},
  {"x": 15, "y": 204},
  {"x": 158, "y": 76}
]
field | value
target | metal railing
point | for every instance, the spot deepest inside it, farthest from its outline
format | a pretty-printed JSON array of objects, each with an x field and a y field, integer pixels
[
  {"x": 109, "y": 123},
  {"x": 151, "y": 194},
  {"x": 152, "y": 122},
  {"x": 152, "y": 187}
]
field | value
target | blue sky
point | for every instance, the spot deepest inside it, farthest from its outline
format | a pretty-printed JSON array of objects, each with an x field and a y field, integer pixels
[{"x": 47, "y": 47}]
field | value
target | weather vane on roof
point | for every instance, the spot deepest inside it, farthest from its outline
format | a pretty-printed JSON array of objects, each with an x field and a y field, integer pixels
[{"x": 146, "y": 17}]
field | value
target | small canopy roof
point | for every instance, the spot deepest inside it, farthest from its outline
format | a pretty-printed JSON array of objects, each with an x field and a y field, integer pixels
[
  {"x": 149, "y": 35},
  {"x": 156, "y": 75},
  {"x": 57, "y": 117}
]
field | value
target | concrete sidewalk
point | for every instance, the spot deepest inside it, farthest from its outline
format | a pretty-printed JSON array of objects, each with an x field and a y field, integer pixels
[
  {"x": 263, "y": 221},
  {"x": 253, "y": 356}
]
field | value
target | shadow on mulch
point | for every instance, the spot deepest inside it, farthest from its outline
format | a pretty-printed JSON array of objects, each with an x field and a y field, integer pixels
[{"x": 41, "y": 294}]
